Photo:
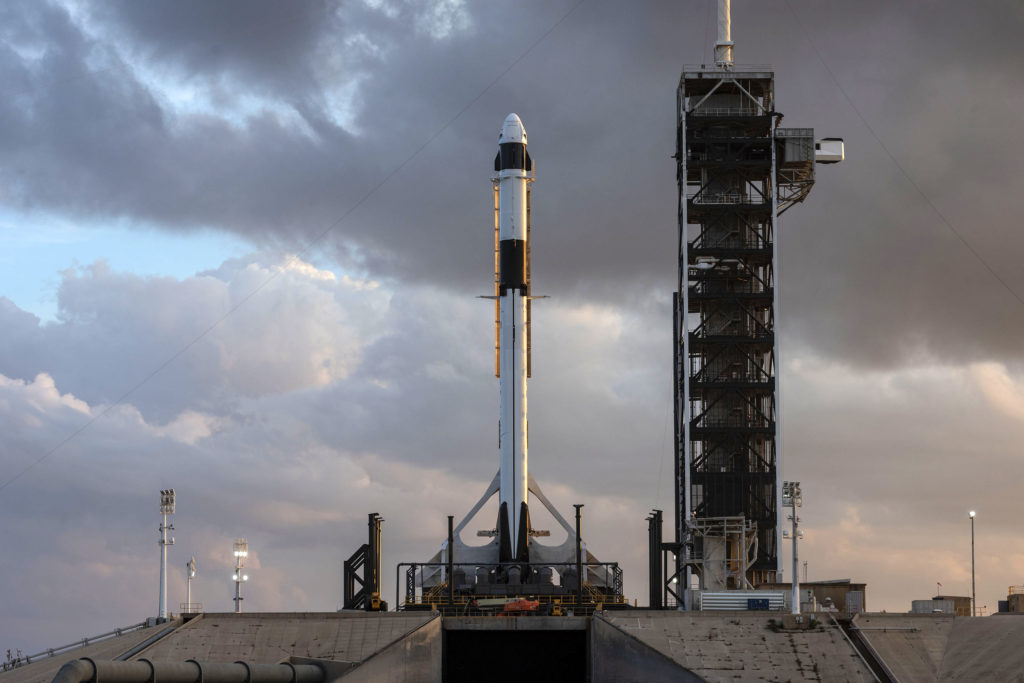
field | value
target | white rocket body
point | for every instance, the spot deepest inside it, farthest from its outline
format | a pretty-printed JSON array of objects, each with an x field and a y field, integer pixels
[{"x": 514, "y": 173}]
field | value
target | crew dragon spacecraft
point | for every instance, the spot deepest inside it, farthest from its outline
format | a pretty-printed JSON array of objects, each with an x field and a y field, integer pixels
[{"x": 514, "y": 556}]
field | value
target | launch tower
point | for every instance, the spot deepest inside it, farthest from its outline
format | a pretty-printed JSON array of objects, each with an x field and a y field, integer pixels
[{"x": 737, "y": 172}]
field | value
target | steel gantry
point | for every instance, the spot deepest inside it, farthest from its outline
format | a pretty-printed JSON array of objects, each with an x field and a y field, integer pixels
[{"x": 737, "y": 171}]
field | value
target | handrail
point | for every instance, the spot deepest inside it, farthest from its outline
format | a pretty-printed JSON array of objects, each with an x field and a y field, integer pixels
[
  {"x": 726, "y": 111},
  {"x": 736, "y": 68},
  {"x": 21, "y": 660},
  {"x": 725, "y": 198}
]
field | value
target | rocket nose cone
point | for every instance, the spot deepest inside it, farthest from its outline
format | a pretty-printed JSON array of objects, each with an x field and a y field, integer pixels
[{"x": 512, "y": 130}]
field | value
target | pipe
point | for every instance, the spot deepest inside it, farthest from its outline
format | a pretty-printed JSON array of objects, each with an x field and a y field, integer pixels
[
  {"x": 88, "y": 670},
  {"x": 579, "y": 556}
]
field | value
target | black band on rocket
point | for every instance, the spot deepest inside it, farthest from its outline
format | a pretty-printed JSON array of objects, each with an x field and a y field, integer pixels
[
  {"x": 512, "y": 254},
  {"x": 513, "y": 155}
]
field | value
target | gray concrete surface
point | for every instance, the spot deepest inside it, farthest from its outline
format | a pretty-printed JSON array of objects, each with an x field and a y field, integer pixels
[
  {"x": 416, "y": 658},
  {"x": 273, "y": 637},
  {"x": 44, "y": 669},
  {"x": 940, "y": 647},
  {"x": 910, "y": 645},
  {"x": 743, "y": 646},
  {"x": 617, "y": 657}
]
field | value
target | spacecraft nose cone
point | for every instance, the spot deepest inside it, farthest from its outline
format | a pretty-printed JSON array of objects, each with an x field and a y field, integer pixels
[{"x": 512, "y": 130}]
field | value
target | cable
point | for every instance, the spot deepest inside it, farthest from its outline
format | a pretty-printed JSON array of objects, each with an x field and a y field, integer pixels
[
  {"x": 295, "y": 257},
  {"x": 892, "y": 158}
]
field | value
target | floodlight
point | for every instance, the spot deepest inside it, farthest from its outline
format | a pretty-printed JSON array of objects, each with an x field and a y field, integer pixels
[
  {"x": 971, "y": 514},
  {"x": 167, "y": 501},
  {"x": 234, "y": 577},
  {"x": 245, "y": 577}
]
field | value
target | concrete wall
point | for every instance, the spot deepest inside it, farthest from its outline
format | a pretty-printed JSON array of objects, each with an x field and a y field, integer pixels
[
  {"x": 617, "y": 657},
  {"x": 416, "y": 658}
]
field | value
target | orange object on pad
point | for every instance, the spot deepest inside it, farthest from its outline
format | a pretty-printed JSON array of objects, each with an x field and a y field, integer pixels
[{"x": 514, "y": 607}]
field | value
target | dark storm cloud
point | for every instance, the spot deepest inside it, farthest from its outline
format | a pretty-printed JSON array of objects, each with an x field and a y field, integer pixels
[{"x": 936, "y": 81}]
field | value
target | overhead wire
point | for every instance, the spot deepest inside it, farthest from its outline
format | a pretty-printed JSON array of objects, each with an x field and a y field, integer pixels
[
  {"x": 903, "y": 171},
  {"x": 319, "y": 237}
]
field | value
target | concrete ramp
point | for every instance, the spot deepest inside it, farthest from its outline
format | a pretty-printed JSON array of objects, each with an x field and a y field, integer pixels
[
  {"x": 744, "y": 646},
  {"x": 416, "y": 658},
  {"x": 43, "y": 669},
  {"x": 272, "y": 637},
  {"x": 618, "y": 657},
  {"x": 910, "y": 646},
  {"x": 920, "y": 648},
  {"x": 985, "y": 649}
]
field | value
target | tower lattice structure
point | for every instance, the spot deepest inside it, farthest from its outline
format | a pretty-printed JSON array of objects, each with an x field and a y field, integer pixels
[{"x": 737, "y": 172}]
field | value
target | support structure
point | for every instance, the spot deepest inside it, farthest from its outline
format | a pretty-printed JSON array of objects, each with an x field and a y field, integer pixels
[
  {"x": 166, "y": 509},
  {"x": 655, "y": 564},
  {"x": 737, "y": 172},
  {"x": 361, "y": 572}
]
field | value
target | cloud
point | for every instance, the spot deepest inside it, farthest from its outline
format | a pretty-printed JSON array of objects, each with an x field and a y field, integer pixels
[{"x": 128, "y": 326}]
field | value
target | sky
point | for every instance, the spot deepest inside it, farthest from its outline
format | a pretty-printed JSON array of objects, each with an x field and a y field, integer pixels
[{"x": 241, "y": 245}]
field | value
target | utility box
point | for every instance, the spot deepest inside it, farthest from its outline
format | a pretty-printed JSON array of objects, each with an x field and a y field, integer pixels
[{"x": 829, "y": 151}]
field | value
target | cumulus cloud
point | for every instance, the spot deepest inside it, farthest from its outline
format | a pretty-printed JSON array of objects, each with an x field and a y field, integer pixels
[{"x": 250, "y": 328}]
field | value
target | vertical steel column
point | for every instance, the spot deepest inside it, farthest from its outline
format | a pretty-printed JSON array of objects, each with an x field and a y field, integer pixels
[
  {"x": 655, "y": 580},
  {"x": 974, "y": 597},
  {"x": 579, "y": 555},
  {"x": 451, "y": 560},
  {"x": 684, "y": 445},
  {"x": 776, "y": 357}
]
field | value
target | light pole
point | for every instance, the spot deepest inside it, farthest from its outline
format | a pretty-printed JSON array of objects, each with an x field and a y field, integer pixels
[
  {"x": 166, "y": 508},
  {"x": 793, "y": 498},
  {"x": 974, "y": 597},
  {"x": 241, "y": 552},
  {"x": 190, "y": 574}
]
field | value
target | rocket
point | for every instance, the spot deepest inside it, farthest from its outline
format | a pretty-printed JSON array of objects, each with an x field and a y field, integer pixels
[{"x": 514, "y": 169}]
